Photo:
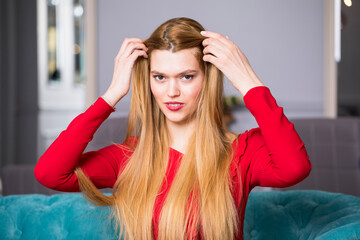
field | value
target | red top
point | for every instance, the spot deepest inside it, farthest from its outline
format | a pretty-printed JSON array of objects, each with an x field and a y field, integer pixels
[{"x": 272, "y": 155}]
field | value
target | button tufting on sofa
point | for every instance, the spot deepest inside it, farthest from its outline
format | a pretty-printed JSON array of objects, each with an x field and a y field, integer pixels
[
  {"x": 253, "y": 233},
  {"x": 17, "y": 233}
]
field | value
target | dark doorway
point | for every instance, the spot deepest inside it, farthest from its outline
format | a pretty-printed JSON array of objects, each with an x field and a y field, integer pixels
[{"x": 349, "y": 66}]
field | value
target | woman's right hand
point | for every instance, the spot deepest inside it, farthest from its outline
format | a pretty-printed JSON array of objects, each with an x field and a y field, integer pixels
[{"x": 130, "y": 50}]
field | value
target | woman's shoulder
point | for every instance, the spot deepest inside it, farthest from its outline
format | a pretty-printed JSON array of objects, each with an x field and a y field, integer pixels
[
  {"x": 242, "y": 144},
  {"x": 245, "y": 141},
  {"x": 234, "y": 137}
]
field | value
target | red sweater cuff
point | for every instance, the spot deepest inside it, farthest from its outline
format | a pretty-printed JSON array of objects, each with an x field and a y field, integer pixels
[
  {"x": 260, "y": 101},
  {"x": 102, "y": 104}
]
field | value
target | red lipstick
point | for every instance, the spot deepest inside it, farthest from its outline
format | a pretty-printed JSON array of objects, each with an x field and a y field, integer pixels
[{"x": 174, "y": 106}]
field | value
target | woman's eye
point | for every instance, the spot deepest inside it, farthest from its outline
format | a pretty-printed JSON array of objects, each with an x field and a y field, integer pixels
[
  {"x": 158, "y": 77},
  {"x": 188, "y": 77}
]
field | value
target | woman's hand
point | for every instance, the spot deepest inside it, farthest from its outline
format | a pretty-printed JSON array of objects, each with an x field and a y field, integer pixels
[
  {"x": 229, "y": 59},
  {"x": 130, "y": 50}
]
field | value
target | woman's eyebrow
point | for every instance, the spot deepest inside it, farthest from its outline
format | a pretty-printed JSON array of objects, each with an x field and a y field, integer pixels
[{"x": 188, "y": 71}]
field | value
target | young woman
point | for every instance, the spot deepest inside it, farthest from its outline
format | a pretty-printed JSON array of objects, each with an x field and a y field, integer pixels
[{"x": 179, "y": 173}]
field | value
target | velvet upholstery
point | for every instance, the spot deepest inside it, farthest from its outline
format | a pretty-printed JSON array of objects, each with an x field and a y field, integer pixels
[
  {"x": 300, "y": 214},
  {"x": 59, "y": 216}
]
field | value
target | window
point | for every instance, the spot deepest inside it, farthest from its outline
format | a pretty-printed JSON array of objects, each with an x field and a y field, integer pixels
[{"x": 61, "y": 54}]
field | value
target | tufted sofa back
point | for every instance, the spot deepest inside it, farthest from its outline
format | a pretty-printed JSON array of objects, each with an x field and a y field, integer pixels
[
  {"x": 20, "y": 179},
  {"x": 59, "y": 216},
  {"x": 333, "y": 146}
]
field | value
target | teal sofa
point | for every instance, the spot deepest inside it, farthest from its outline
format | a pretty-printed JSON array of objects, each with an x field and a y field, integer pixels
[{"x": 298, "y": 214}]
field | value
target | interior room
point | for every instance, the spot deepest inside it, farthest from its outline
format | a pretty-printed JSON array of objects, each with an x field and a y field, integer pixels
[{"x": 57, "y": 60}]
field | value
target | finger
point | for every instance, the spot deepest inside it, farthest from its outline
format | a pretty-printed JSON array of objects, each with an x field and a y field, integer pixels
[
  {"x": 210, "y": 58},
  {"x": 210, "y": 50},
  {"x": 132, "y": 47},
  {"x": 137, "y": 53},
  {"x": 219, "y": 37},
  {"x": 218, "y": 41},
  {"x": 129, "y": 47},
  {"x": 211, "y": 34},
  {"x": 126, "y": 43},
  {"x": 129, "y": 50},
  {"x": 219, "y": 52}
]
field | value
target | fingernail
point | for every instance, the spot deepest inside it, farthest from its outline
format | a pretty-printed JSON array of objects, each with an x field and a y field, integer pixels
[{"x": 202, "y": 32}]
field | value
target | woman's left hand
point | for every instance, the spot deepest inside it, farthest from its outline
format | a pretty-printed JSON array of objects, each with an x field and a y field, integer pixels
[{"x": 229, "y": 59}]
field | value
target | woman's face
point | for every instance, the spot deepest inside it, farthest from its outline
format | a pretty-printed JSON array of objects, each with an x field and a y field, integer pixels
[{"x": 176, "y": 81}]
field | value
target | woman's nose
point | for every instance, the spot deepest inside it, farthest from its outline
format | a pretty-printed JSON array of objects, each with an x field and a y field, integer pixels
[{"x": 173, "y": 89}]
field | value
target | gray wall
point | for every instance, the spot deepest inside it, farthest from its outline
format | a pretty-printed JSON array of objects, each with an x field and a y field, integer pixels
[{"x": 282, "y": 39}]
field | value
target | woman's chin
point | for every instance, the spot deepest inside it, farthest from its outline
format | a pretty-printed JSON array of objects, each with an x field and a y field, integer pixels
[{"x": 180, "y": 120}]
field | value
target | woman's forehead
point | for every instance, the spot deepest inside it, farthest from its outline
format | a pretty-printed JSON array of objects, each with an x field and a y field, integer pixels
[{"x": 165, "y": 61}]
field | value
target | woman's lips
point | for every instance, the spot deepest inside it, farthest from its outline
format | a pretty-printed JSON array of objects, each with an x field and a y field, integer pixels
[{"x": 174, "y": 106}]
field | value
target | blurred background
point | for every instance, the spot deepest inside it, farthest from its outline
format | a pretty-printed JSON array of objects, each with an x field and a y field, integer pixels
[{"x": 56, "y": 58}]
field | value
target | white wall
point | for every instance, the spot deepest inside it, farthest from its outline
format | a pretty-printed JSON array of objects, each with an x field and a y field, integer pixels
[{"x": 282, "y": 39}]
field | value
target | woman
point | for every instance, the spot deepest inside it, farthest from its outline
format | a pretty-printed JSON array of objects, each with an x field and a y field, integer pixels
[{"x": 179, "y": 173}]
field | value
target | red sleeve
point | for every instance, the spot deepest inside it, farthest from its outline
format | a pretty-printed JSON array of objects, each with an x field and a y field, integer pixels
[
  {"x": 278, "y": 157},
  {"x": 55, "y": 168}
]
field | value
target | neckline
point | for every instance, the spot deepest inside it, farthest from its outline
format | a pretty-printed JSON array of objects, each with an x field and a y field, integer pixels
[
  {"x": 174, "y": 150},
  {"x": 233, "y": 143}
]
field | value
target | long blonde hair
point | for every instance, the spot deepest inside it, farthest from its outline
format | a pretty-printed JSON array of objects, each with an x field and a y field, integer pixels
[{"x": 199, "y": 200}]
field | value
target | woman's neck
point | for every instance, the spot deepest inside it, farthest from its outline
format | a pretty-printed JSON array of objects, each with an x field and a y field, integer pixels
[{"x": 180, "y": 134}]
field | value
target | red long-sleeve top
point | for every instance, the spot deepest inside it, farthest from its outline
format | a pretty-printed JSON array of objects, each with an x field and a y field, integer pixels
[{"x": 271, "y": 155}]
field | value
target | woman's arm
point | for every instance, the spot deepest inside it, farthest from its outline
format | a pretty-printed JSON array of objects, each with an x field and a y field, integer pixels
[
  {"x": 55, "y": 168},
  {"x": 277, "y": 155}
]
